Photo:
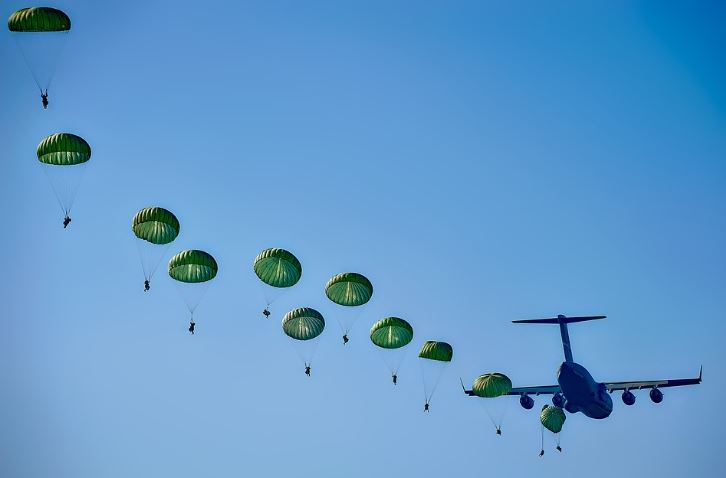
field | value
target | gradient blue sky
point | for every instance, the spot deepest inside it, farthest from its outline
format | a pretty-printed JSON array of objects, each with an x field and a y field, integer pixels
[{"x": 479, "y": 161}]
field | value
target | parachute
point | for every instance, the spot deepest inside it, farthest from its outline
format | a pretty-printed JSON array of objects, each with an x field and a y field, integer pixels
[
  {"x": 39, "y": 19},
  {"x": 304, "y": 325},
  {"x": 493, "y": 385},
  {"x": 350, "y": 290},
  {"x": 392, "y": 334},
  {"x": 435, "y": 358},
  {"x": 155, "y": 228},
  {"x": 192, "y": 270},
  {"x": 40, "y": 33},
  {"x": 552, "y": 418},
  {"x": 278, "y": 270},
  {"x": 439, "y": 351},
  {"x": 63, "y": 157}
]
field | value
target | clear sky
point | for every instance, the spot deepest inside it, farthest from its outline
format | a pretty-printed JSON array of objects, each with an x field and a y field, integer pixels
[{"x": 479, "y": 161}]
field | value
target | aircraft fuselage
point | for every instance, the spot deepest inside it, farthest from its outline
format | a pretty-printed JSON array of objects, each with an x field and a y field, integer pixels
[{"x": 582, "y": 393}]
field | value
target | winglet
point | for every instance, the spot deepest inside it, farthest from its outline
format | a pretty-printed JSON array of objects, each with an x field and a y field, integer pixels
[
  {"x": 468, "y": 392},
  {"x": 700, "y": 374}
]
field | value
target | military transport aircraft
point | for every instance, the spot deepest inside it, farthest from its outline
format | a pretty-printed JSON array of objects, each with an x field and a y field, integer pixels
[{"x": 577, "y": 391}]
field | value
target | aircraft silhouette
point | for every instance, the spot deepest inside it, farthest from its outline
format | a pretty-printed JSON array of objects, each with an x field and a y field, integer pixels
[{"x": 577, "y": 391}]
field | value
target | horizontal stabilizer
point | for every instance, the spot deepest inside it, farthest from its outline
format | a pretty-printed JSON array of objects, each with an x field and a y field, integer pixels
[{"x": 560, "y": 320}]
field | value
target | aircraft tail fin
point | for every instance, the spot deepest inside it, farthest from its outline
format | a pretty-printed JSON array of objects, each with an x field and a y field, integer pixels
[{"x": 562, "y": 321}]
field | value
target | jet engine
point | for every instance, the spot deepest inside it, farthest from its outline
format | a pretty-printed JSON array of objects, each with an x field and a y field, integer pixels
[
  {"x": 526, "y": 401},
  {"x": 558, "y": 400},
  {"x": 656, "y": 395},
  {"x": 628, "y": 397}
]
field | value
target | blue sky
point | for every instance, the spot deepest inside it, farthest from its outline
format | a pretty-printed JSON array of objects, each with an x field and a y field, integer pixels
[{"x": 479, "y": 161}]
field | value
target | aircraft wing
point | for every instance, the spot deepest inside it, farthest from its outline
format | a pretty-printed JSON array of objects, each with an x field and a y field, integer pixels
[
  {"x": 541, "y": 390},
  {"x": 637, "y": 385}
]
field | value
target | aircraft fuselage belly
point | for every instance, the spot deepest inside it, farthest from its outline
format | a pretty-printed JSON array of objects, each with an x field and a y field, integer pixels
[{"x": 582, "y": 393}]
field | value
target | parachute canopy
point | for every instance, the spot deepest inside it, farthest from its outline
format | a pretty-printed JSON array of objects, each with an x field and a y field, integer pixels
[
  {"x": 440, "y": 351},
  {"x": 39, "y": 19},
  {"x": 277, "y": 267},
  {"x": 492, "y": 385},
  {"x": 349, "y": 288},
  {"x": 391, "y": 333},
  {"x": 192, "y": 266},
  {"x": 63, "y": 149},
  {"x": 303, "y": 323},
  {"x": 155, "y": 225},
  {"x": 552, "y": 418}
]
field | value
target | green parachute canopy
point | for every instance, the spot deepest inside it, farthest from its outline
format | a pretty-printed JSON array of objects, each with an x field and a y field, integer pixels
[
  {"x": 492, "y": 385},
  {"x": 440, "y": 351},
  {"x": 277, "y": 267},
  {"x": 192, "y": 266},
  {"x": 552, "y": 418},
  {"x": 349, "y": 288},
  {"x": 39, "y": 19},
  {"x": 391, "y": 333},
  {"x": 303, "y": 323},
  {"x": 63, "y": 149},
  {"x": 155, "y": 225}
]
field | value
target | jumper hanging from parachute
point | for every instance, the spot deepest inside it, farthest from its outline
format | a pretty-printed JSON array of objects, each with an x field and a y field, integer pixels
[
  {"x": 435, "y": 356},
  {"x": 155, "y": 229},
  {"x": 552, "y": 418},
  {"x": 192, "y": 271},
  {"x": 304, "y": 325},
  {"x": 63, "y": 158},
  {"x": 352, "y": 291},
  {"x": 40, "y": 33},
  {"x": 491, "y": 386},
  {"x": 278, "y": 270},
  {"x": 392, "y": 334}
]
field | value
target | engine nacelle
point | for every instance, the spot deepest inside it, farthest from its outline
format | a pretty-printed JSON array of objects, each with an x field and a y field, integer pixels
[
  {"x": 656, "y": 395},
  {"x": 526, "y": 401},
  {"x": 558, "y": 400},
  {"x": 628, "y": 397}
]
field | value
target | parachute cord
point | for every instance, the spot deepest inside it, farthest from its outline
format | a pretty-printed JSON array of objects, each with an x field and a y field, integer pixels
[
  {"x": 57, "y": 60},
  {"x": 201, "y": 296},
  {"x": 156, "y": 266},
  {"x": 352, "y": 317},
  {"x": 141, "y": 259},
  {"x": 27, "y": 64},
  {"x": 492, "y": 419},
  {"x": 542, "y": 440},
  {"x": 55, "y": 193},
  {"x": 436, "y": 383},
  {"x": 72, "y": 193}
]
